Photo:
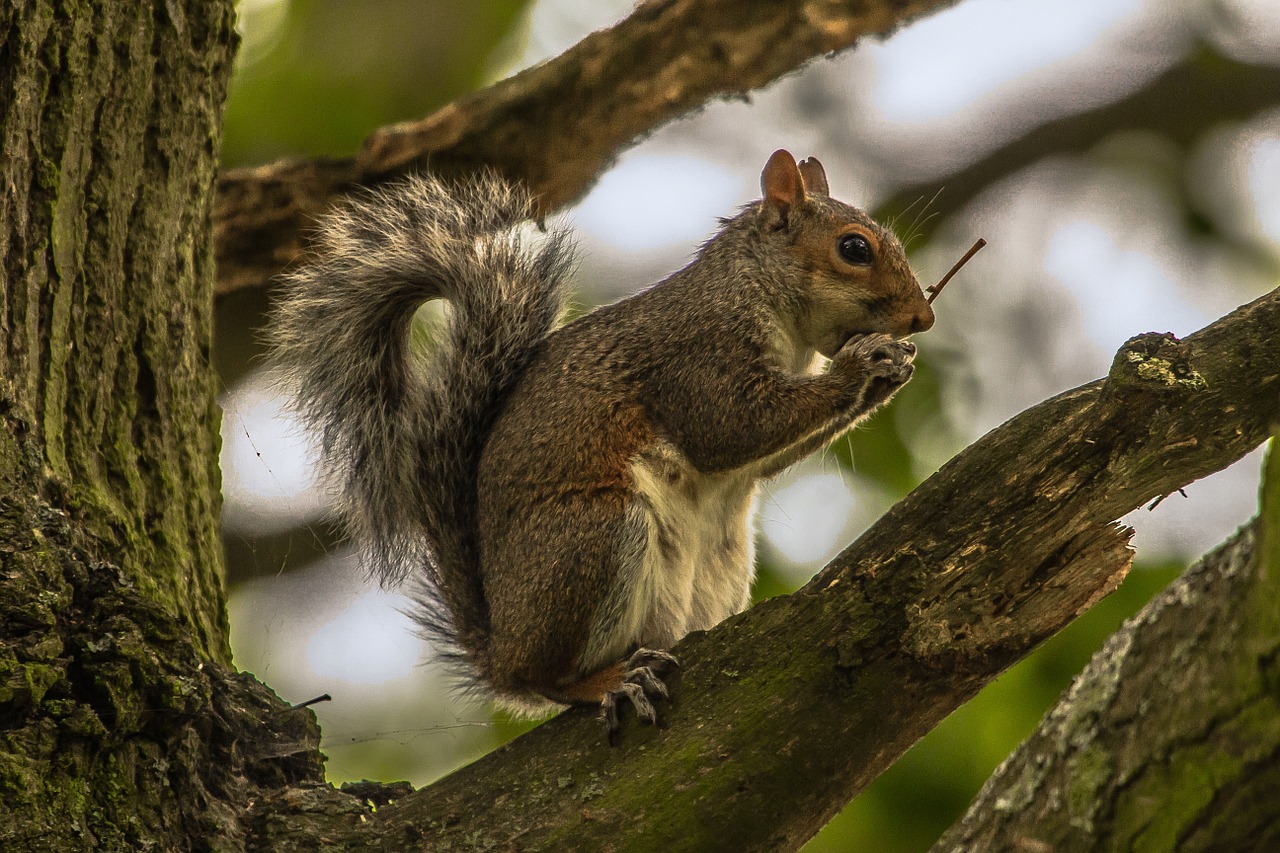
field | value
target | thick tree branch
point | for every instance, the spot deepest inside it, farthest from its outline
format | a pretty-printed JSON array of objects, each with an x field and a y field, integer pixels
[
  {"x": 785, "y": 712},
  {"x": 557, "y": 126},
  {"x": 1142, "y": 755}
]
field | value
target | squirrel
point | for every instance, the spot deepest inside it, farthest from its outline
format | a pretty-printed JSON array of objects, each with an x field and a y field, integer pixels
[{"x": 571, "y": 500}]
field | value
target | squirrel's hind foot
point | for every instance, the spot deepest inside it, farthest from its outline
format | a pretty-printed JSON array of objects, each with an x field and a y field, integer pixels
[{"x": 642, "y": 685}]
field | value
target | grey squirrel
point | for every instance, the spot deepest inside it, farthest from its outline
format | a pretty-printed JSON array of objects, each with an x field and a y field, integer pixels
[{"x": 571, "y": 501}]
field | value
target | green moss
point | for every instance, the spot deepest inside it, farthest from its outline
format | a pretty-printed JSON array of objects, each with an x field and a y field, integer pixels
[
  {"x": 1179, "y": 792},
  {"x": 47, "y": 174},
  {"x": 84, "y": 722},
  {"x": 1172, "y": 796},
  {"x": 16, "y": 771},
  {"x": 39, "y": 678},
  {"x": 1088, "y": 771},
  {"x": 1264, "y": 614}
]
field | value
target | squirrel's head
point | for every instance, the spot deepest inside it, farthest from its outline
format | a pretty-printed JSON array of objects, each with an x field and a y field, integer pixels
[{"x": 855, "y": 273}]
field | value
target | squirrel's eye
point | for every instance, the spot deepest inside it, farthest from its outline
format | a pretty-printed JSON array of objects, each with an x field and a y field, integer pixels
[{"x": 855, "y": 249}]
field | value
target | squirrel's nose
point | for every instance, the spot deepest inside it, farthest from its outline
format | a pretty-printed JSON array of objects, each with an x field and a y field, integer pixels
[{"x": 922, "y": 321}]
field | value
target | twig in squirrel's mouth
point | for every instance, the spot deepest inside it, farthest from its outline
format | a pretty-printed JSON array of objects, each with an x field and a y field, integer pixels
[{"x": 935, "y": 289}]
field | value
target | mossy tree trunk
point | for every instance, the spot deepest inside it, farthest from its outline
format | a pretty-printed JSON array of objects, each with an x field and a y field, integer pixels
[{"x": 115, "y": 687}]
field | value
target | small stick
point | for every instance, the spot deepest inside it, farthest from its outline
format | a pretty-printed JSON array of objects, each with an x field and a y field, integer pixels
[
  {"x": 323, "y": 697},
  {"x": 934, "y": 290}
]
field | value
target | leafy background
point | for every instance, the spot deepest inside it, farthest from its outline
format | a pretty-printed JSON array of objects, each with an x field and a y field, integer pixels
[{"x": 1122, "y": 159}]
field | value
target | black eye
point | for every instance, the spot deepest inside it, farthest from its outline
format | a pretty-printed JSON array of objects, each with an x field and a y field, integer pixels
[{"x": 855, "y": 249}]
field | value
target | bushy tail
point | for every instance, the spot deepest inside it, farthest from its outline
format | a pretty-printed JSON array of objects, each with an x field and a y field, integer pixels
[{"x": 402, "y": 435}]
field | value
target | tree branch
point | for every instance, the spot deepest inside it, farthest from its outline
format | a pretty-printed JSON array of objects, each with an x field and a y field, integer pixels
[
  {"x": 787, "y": 711},
  {"x": 1209, "y": 89},
  {"x": 1141, "y": 755},
  {"x": 557, "y": 126}
]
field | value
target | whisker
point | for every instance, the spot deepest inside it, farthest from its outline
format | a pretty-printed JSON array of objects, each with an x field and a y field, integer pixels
[
  {"x": 926, "y": 207},
  {"x": 918, "y": 231}
]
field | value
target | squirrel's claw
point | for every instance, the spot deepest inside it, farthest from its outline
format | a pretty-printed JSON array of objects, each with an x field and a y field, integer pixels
[
  {"x": 660, "y": 662},
  {"x": 632, "y": 693},
  {"x": 641, "y": 685}
]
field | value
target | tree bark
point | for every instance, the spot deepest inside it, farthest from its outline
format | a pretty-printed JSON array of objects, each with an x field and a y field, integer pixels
[
  {"x": 117, "y": 704},
  {"x": 1170, "y": 739}
]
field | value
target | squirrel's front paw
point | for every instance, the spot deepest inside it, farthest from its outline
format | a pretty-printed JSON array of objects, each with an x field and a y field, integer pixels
[
  {"x": 884, "y": 362},
  {"x": 641, "y": 686}
]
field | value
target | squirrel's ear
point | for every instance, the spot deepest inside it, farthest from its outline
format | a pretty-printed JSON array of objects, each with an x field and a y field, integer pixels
[
  {"x": 815, "y": 178},
  {"x": 782, "y": 186}
]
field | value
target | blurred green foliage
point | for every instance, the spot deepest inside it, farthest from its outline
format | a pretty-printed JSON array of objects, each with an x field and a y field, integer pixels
[{"x": 314, "y": 77}]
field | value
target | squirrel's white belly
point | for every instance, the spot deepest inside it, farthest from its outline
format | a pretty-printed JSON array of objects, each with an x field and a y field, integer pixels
[{"x": 692, "y": 557}]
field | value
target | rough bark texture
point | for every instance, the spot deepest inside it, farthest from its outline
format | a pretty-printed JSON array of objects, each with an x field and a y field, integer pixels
[
  {"x": 785, "y": 712},
  {"x": 555, "y": 127},
  {"x": 1170, "y": 739},
  {"x": 120, "y": 725}
]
